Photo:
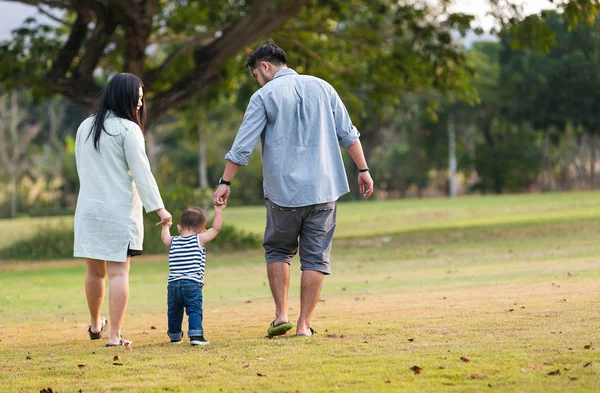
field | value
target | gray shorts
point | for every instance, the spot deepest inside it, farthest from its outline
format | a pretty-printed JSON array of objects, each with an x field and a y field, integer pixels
[{"x": 314, "y": 225}]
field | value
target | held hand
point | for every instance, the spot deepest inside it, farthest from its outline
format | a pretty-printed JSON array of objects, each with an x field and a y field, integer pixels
[
  {"x": 221, "y": 195},
  {"x": 165, "y": 217},
  {"x": 366, "y": 184},
  {"x": 219, "y": 207}
]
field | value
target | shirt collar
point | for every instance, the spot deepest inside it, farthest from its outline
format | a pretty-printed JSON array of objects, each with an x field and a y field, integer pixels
[{"x": 285, "y": 72}]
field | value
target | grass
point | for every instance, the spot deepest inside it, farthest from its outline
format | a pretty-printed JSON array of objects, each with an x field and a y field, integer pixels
[
  {"x": 369, "y": 218},
  {"x": 519, "y": 299}
]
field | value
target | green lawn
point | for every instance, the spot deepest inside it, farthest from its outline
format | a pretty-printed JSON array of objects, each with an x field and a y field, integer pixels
[{"x": 509, "y": 282}]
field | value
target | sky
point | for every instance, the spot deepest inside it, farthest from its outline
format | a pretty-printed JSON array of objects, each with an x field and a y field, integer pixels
[{"x": 13, "y": 14}]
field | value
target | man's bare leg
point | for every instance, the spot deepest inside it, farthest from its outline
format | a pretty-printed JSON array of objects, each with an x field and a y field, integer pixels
[
  {"x": 279, "y": 280},
  {"x": 311, "y": 284}
]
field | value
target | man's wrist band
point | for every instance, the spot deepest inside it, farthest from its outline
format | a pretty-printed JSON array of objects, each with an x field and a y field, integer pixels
[
  {"x": 364, "y": 170},
  {"x": 223, "y": 181}
]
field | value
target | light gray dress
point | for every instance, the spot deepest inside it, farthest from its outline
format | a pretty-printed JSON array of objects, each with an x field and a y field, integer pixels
[{"x": 114, "y": 183}]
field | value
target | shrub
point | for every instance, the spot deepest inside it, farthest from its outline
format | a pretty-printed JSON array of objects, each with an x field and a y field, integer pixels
[{"x": 50, "y": 243}]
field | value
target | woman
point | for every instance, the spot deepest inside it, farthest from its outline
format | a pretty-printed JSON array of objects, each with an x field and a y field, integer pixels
[{"x": 115, "y": 181}]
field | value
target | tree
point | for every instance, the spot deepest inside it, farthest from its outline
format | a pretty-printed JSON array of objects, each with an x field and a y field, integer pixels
[
  {"x": 117, "y": 35},
  {"x": 554, "y": 89},
  {"x": 16, "y": 137}
]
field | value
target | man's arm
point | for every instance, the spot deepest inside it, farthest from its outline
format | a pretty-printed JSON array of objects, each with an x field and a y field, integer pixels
[
  {"x": 165, "y": 234},
  {"x": 364, "y": 177},
  {"x": 223, "y": 190},
  {"x": 211, "y": 233},
  {"x": 255, "y": 120}
]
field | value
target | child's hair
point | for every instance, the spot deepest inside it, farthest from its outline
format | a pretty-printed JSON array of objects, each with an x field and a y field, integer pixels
[{"x": 192, "y": 218}]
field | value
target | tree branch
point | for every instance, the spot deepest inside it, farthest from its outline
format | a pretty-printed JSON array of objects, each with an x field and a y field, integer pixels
[
  {"x": 64, "y": 4},
  {"x": 105, "y": 27},
  {"x": 71, "y": 48},
  {"x": 151, "y": 76},
  {"x": 51, "y": 16},
  {"x": 260, "y": 21}
]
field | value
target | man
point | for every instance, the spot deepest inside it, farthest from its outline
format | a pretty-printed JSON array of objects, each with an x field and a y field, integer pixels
[{"x": 302, "y": 122}]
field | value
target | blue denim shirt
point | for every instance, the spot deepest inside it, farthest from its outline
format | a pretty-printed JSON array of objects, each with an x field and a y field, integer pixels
[{"x": 302, "y": 122}]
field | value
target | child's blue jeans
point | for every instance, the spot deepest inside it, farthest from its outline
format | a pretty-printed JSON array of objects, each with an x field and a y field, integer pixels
[{"x": 184, "y": 294}]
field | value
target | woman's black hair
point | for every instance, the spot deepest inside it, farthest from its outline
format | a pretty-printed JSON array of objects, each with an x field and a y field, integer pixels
[{"x": 121, "y": 97}]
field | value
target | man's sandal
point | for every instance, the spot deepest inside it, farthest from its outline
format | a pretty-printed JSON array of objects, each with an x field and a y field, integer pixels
[
  {"x": 97, "y": 336},
  {"x": 122, "y": 341},
  {"x": 279, "y": 329}
]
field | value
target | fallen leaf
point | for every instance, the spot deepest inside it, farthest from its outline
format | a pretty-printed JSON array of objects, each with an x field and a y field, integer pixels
[
  {"x": 569, "y": 274},
  {"x": 128, "y": 347},
  {"x": 523, "y": 370},
  {"x": 555, "y": 372},
  {"x": 322, "y": 300},
  {"x": 49, "y": 390},
  {"x": 365, "y": 342},
  {"x": 511, "y": 309},
  {"x": 28, "y": 357},
  {"x": 388, "y": 381},
  {"x": 587, "y": 346},
  {"x": 344, "y": 289},
  {"x": 411, "y": 339},
  {"x": 224, "y": 356},
  {"x": 489, "y": 385},
  {"x": 478, "y": 376},
  {"x": 261, "y": 375},
  {"x": 64, "y": 319},
  {"x": 587, "y": 364},
  {"x": 416, "y": 369},
  {"x": 465, "y": 359},
  {"x": 248, "y": 301},
  {"x": 259, "y": 358},
  {"x": 448, "y": 383},
  {"x": 573, "y": 379},
  {"x": 246, "y": 366},
  {"x": 117, "y": 364},
  {"x": 152, "y": 327},
  {"x": 80, "y": 365},
  {"x": 116, "y": 358}
]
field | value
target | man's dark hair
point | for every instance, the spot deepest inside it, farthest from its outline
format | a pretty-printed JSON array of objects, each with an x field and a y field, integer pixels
[
  {"x": 192, "y": 218},
  {"x": 267, "y": 52}
]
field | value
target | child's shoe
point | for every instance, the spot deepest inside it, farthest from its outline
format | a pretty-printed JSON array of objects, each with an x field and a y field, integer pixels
[{"x": 198, "y": 341}]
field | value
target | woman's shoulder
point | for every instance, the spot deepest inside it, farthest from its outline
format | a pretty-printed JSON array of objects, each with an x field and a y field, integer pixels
[{"x": 120, "y": 125}]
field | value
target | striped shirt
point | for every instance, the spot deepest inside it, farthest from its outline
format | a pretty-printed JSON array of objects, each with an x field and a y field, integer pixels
[{"x": 186, "y": 259}]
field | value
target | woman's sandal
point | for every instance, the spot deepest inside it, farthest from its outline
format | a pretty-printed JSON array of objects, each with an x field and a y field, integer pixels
[
  {"x": 122, "y": 341},
  {"x": 97, "y": 336}
]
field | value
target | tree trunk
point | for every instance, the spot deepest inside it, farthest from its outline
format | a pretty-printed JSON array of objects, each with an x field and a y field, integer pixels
[
  {"x": 451, "y": 156},
  {"x": 202, "y": 167},
  {"x": 593, "y": 161},
  {"x": 151, "y": 147},
  {"x": 14, "y": 183}
]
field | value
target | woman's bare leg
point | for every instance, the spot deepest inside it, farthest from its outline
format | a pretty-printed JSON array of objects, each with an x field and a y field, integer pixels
[
  {"x": 95, "y": 275},
  {"x": 118, "y": 296}
]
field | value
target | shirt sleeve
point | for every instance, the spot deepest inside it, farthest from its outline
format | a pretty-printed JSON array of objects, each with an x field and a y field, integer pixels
[
  {"x": 255, "y": 120},
  {"x": 137, "y": 160},
  {"x": 347, "y": 134}
]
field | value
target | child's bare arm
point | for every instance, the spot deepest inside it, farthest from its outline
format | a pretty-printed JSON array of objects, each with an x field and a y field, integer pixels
[
  {"x": 165, "y": 234},
  {"x": 211, "y": 233}
]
